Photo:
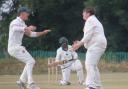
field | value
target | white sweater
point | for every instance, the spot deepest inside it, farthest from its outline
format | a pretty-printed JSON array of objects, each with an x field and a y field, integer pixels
[
  {"x": 16, "y": 32},
  {"x": 94, "y": 34},
  {"x": 66, "y": 55}
]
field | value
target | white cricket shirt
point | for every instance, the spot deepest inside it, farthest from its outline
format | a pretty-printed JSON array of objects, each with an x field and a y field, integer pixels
[
  {"x": 94, "y": 36},
  {"x": 16, "y": 32},
  {"x": 66, "y": 55}
]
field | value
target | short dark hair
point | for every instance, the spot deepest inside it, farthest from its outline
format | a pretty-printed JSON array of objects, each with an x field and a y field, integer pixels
[
  {"x": 90, "y": 10},
  {"x": 23, "y": 9}
]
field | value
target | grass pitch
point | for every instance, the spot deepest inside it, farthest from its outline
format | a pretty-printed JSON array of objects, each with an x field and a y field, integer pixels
[{"x": 109, "y": 81}]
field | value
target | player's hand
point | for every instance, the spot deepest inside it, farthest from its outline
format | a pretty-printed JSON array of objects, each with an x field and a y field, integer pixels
[
  {"x": 32, "y": 28},
  {"x": 76, "y": 45},
  {"x": 65, "y": 61},
  {"x": 29, "y": 29},
  {"x": 46, "y": 31}
]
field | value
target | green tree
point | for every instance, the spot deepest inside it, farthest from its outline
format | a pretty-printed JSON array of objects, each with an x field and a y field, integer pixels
[{"x": 64, "y": 17}]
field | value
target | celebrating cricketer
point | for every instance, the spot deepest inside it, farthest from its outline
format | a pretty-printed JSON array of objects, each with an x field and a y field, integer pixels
[
  {"x": 17, "y": 30},
  {"x": 95, "y": 42}
]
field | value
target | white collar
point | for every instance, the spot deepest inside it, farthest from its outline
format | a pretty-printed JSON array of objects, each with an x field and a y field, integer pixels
[
  {"x": 91, "y": 17},
  {"x": 20, "y": 19}
]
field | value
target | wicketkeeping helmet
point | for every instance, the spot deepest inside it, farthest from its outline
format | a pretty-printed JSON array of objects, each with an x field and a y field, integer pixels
[
  {"x": 63, "y": 40},
  {"x": 64, "y": 43}
]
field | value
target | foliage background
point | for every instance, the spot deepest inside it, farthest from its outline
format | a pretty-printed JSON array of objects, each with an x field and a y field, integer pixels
[{"x": 64, "y": 17}]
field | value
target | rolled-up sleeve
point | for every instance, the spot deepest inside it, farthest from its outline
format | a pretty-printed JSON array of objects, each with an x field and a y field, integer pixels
[{"x": 17, "y": 27}]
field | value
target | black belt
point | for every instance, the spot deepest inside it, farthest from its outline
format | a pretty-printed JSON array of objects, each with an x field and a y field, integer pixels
[
  {"x": 66, "y": 67},
  {"x": 69, "y": 65}
]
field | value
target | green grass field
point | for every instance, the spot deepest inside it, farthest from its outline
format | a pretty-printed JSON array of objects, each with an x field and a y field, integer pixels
[{"x": 109, "y": 80}]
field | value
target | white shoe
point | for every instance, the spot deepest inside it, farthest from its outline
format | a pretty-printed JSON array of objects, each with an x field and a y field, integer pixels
[
  {"x": 33, "y": 86},
  {"x": 63, "y": 83},
  {"x": 84, "y": 83},
  {"x": 21, "y": 84},
  {"x": 90, "y": 88}
]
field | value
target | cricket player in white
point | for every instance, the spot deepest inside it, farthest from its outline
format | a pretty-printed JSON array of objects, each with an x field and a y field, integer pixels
[
  {"x": 69, "y": 61},
  {"x": 17, "y": 30},
  {"x": 95, "y": 42}
]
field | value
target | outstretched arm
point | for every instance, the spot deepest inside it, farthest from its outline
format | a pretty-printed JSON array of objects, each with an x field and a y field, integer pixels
[
  {"x": 30, "y": 32},
  {"x": 76, "y": 45},
  {"x": 42, "y": 33}
]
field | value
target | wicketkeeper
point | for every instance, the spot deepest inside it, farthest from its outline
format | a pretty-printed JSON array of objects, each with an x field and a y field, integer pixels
[
  {"x": 68, "y": 60},
  {"x": 17, "y": 30}
]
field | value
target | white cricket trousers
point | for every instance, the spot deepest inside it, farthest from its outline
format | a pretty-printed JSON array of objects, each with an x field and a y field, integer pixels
[
  {"x": 22, "y": 55},
  {"x": 76, "y": 66},
  {"x": 91, "y": 65}
]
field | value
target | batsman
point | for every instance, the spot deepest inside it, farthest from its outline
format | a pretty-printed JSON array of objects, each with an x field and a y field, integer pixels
[{"x": 68, "y": 60}]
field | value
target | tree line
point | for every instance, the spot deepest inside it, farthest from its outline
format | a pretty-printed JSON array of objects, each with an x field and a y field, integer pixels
[{"x": 64, "y": 18}]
